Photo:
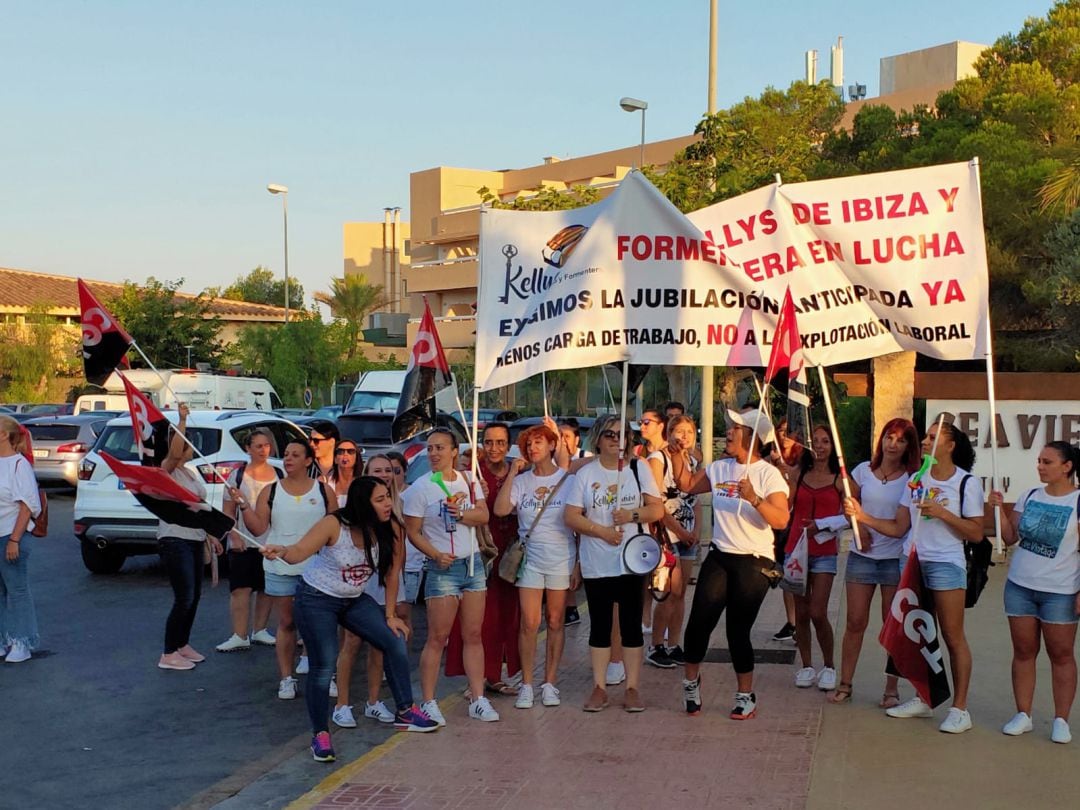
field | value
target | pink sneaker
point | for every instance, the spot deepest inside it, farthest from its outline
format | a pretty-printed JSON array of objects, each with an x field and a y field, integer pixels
[
  {"x": 191, "y": 654},
  {"x": 174, "y": 660}
]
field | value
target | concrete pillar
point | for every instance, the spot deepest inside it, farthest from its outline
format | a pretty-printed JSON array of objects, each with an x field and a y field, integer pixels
[{"x": 892, "y": 390}]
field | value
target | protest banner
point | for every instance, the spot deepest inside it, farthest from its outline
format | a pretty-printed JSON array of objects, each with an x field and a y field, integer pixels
[{"x": 876, "y": 264}]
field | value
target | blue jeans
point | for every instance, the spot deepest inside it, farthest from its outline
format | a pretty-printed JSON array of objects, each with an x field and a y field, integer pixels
[
  {"x": 18, "y": 619},
  {"x": 317, "y": 618},
  {"x": 183, "y": 561}
]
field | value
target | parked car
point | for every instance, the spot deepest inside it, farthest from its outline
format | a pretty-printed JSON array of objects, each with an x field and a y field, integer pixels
[
  {"x": 61, "y": 442},
  {"x": 371, "y": 430},
  {"x": 111, "y": 525},
  {"x": 585, "y": 424},
  {"x": 17, "y": 407},
  {"x": 328, "y": 412},
  {"x": 50, "y": 409},
  {"x": 290, "y": 412}
]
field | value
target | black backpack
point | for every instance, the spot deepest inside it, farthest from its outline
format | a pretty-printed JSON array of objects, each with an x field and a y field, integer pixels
[{"x": 979, "y": 558}]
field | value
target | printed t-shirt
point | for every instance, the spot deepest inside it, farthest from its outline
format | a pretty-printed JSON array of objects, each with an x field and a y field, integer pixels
[
  {"x": 550, "y": 548},
  {"x": 742, "y": 531},
  {"x": 1046, "y": 557},
  {"x": 426, "y": 499},
  {"x": 934, "y": 541}
]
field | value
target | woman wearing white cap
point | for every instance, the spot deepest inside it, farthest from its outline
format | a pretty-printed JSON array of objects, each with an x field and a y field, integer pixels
[{"x": 750, "y": 499}]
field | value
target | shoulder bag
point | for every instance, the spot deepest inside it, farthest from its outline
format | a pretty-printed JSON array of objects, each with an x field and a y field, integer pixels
[{"x": 514, "y": 557}]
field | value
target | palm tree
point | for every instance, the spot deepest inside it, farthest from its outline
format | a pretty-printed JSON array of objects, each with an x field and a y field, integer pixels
[
  {"x": 1062, "y": 188},
  {"x": 351, "y": 299}
]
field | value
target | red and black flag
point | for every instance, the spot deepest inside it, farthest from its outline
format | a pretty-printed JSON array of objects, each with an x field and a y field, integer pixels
[
  {"x": 149, "y": 426},
  {"x": 910, "y": 637},
  {"x": 104, "y": 342},
  {"x": 167, "y": 500},
  {"x": 787, "y": 354},
  {"x": 427, "y": 374}
]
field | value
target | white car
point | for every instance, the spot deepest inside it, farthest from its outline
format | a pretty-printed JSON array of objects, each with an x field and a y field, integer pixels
[{"x": 111, "y": 525}]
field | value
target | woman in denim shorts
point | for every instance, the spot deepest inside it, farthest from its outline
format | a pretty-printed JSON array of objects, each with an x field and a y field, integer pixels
[
  {"x": 1041, "y": 598},
  {"x": 879, "y": 484}
]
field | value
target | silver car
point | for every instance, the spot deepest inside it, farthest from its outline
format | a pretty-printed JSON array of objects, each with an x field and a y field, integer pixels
[{"x": 61, "y": 442}]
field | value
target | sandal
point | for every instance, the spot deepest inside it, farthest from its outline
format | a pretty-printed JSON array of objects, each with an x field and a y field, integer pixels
[
  {"x": 889, "y": 699},
  {"x": 500, "y": 688},
  {"x": 842, "y": 694}
]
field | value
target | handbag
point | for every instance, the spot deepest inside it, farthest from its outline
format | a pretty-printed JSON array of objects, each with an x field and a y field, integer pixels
[
  {"x": 796, "y": 567},
  {"x": 513, "y": 559},
  {"x": 978, "y": 557}
]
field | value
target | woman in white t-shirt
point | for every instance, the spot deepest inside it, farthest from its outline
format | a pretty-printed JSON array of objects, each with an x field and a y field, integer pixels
[
  {"x": 879, "y": 484},
  {"x": 442, "y": 511},
  {"x": 750, "y": 499},
  {"x": 1042, "y": 592},
  {"x": 550, "y": 570},
  {"x": 948, "y": 504},
  {"x": 19, "y": 504},
  {"x": 606, "y": 506}
]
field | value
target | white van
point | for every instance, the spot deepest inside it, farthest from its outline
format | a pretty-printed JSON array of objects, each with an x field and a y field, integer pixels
[
  {"x": 200, "y": 390},
  {"x": 381, "y": 390}
]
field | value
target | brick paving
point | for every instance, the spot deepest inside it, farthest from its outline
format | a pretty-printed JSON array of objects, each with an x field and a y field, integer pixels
[{"x": 563, "y": 757}]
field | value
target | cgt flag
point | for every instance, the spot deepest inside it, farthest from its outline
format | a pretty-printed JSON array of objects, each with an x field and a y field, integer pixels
[
  {"x": 427, "y": 374},
  {"x": 148, "y": 424},
  {"x": 910, "y": 637},
  {"x": 104, "y": 342},
  {"x": 169, "y": 501},
  {"x": 787, "y": 353}
]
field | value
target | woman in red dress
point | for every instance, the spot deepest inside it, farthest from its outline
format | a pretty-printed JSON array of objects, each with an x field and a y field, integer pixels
[{"x": 502, "y": 613}]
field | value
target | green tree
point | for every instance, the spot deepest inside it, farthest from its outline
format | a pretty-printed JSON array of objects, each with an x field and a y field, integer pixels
[
  {"x": 164, "y": 323},
  {"x": 34, "y": 352},
  {"x": 351, "y": 299},
  {"x": 545, "y": 198},
  {"x": 262, "y": 286}
]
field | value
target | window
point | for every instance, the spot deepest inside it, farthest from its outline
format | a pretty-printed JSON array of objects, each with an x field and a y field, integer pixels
[
  {"x": 53, "y": 432},
  {"x": 283, "y": 433},
  {"x": 119, "y": 442}
]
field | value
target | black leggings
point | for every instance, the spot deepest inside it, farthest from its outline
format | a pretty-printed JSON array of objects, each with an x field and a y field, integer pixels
[
  {"x": 735, "y": 582},
  {"x": 603, "y": 594}
]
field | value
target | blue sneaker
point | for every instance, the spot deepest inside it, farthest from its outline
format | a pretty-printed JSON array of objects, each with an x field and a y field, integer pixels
[
  {"x": 321, "y": 749},
  {"x": 413, "y": 719}
]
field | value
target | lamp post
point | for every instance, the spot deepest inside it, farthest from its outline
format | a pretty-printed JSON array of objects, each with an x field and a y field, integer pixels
[
  {"x": 637, "y": 105},
  {"x": 189, "y": 347},
  {"x": 274, "y": 188}
]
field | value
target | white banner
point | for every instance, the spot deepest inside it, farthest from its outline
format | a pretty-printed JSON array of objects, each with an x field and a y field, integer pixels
[
  {"x": 876, "y": 264},
  {"x": 1023, "y": 429}
]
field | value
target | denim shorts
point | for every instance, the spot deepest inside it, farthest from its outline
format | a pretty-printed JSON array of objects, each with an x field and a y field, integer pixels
[
  {"x": 455, "y": 580},
  {"x": 943, "y": 576},
  {"x": 687, "y": 552},
  {"x": 531, "y": 578},
  {"x": 1050, "y": 608},
  {"x": 412, "y": 586},
  {"x": 823, "y": 565},
  {"x": 281, "y": 584},
  {"x": 862, "y": 570}
]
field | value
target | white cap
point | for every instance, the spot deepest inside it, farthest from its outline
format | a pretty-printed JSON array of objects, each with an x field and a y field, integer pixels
[{"x": 751, "y": 418}]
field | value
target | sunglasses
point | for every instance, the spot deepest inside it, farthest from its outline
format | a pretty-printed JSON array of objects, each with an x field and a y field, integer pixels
[
  {"x": 650, "y": 421},
  {"x": 315, "y": 440},
  {"x": 611, "y": 435},
  {"x": 347, "y": 450}
]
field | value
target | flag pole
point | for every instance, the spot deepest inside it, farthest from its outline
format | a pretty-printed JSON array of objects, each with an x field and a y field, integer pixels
[
  {"x": 763, "y": 393},
  {"x": 543, "y": 383},
  {"x": 607, "y": 385},
  {"x": 991, "y": 396},
  {"x": 622, "y": 430},
  {"x": 933, "y": 454},
  {"x": 839, "y": 449}
]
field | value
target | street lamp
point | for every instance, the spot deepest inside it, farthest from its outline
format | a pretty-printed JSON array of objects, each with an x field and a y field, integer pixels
[
  {"x": 636, "y": 105},
  {"x": 189, "y": 348},
  {"x": 274, "y": 188}
]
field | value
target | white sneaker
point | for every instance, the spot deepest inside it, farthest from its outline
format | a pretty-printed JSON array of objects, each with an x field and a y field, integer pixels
[
  {"x": 1060, "y": 732},
  {"x": 343, "y": 717},
  {"x": 287, "y": 688},
  {"x": 805, "y": 677},
  {"x": 525, "y": 697},
  {"x": 263, "y": 637},
  {"x": 957, "y": 721},
  {"x": 1020, "y": 724},
  {"x": 616, "y": 673},
  {"x": 911, "y": 708},
  {"x": 302, "y": 667},
  {"x": 481, "y": 709},
  {"x": 826, "y": 679},
  {"x": 333, "y": 686},
  {"x": 18, "y": 653},
  {"x": 549, "y": 695},
  {"x": 233, "y": 643},
  {"x": 431, "y": 709},
  {"x": 378, "y": 711}
]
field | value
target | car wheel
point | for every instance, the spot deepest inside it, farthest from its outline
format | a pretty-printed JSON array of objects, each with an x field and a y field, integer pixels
[{"x": 101, "y": 560}]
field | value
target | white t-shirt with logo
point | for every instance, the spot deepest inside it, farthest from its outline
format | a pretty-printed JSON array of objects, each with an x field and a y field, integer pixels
[
  {"x": 1046, "y": 557},
  {"x": 880, "y": 500},
  {"x": 742, "y": 530},
  {"x": 935, "y": 541},
  {"x": 593, "y": 489},
  {"x": 426, "y": 499},
  {"x": 550, "y": 548}
]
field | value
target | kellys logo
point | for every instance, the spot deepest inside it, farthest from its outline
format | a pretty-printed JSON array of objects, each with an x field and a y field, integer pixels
[
  {"x": 525, "y": 284},
  {"x": 727, "y": 489}
]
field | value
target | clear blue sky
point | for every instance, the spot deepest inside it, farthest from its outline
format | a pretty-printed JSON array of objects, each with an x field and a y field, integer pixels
[{"x": 137, "y": 137}]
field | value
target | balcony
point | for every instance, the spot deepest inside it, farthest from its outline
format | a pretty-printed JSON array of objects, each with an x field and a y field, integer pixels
[
  {"x": 454, "y": 333},
  {"x": 446, "y": 274}
]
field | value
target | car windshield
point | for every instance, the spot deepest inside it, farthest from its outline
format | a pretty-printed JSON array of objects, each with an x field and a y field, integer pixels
[
  {"x": 373, "y": 401},
  {"x": 119, "y": 441},
  {"x": 365, "y": 430},
  {"x": 53, "y": 433}
]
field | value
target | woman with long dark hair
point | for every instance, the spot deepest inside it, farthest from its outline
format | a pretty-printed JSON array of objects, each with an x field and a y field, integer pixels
[
  {"x": 356, "y": 556},
  {"x": 879, "y": 484},
  {"x": 1041, "y": 598},
  {"x": 949, "y": 502}
]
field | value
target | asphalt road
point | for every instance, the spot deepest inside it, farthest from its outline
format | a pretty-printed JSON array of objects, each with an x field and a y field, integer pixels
[{"x": 91, "y": 720}]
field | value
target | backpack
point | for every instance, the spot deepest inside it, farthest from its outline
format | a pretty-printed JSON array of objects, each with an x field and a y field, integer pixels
[
  {"x": 273, "y": 492},
  {"x": 978, "y": 556}
]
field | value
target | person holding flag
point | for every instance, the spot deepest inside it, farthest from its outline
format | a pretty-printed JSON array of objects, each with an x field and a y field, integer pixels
[{"x": 181, "y": 550}]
